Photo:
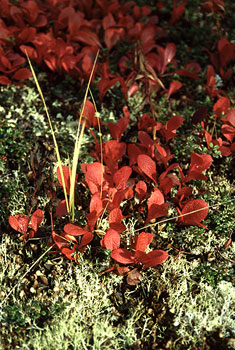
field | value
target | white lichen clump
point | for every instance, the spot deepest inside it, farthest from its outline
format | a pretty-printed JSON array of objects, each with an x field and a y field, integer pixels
[{"x": 198, "y": 308}]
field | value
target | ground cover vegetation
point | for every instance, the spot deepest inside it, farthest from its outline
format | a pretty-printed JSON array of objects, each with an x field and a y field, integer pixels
[{"x": 132, "y": 248}]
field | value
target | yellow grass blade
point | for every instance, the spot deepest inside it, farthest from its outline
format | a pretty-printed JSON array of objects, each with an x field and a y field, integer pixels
[
  {"x": 78, "y": 143},
  {"x": 52, "y": 131}
]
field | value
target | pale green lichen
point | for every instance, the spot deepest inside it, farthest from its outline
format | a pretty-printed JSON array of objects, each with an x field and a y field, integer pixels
[
  {"x": 17, "y": 187},
  {"x": 87, "y": 318},
  {"x": 198, "y": 308}
]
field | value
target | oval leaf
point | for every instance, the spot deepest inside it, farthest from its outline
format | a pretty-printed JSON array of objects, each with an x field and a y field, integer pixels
[
  {"x": 154, "y": 258},
  {"x": 36, "y": 219},
  {"x": 194, "y": 218},
  {"x": 22, "y": 74},
  {"x": 147, "y": 165},
  {"x": 19, "y": 223},
  {"x": 111, "y": 240},
  {"x": 143, "y": 240},
  {"x": 123, "y": 256},
  {"x": 74, "y": 230},
  {"x": 121, "y": 176}
]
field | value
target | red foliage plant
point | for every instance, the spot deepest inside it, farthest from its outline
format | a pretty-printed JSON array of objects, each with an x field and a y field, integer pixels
[
  {"x": 129, "y": 176},
  {"x": 20, "y": 223},
  {"x": 139, "y": 256}
]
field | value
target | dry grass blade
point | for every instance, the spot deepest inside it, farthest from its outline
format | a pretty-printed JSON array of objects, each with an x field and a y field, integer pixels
[
  {"x": 25, "y": 274},
  {"x": 78, "y": 143},
  {"x": 52, "y": 131},
  {"x": 180, "y": 216}
]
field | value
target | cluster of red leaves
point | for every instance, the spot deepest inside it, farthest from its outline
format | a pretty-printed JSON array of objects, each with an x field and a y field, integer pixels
[
  {"x": 226, "y": 118},
  {"x": 220, "y": 59},
  {"x": 21, "y": 223},
  {"x": 71, "y": 237},
  {"x": 113, "y": 182},
  {"x": 110, "y": 184},
  {"x": 66, "y": 36}
]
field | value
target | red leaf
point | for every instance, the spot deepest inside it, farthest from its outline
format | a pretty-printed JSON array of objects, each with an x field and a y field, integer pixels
[
  {"x": 118, "y": 129},
  {"x": 113, "y": 152},
  {"x": 22, "y": 74},
  {"x": 63, "y": 244},
  {"x": 104, "y": 85},
  {"x": 86, "y": 239},
  {"x": 121, "y": 176},
  {"x": 197, "y": 217},
  {"x": 153, "y": 258},
  {"x": 156, "y": 206},
  {"x": 174, "y": 122},
  {"x": 169, "y": 53},
  {"x": 94, "y": 175},
  {"x": 147, "y": 123},
  {"x": 141, "y": 190},
  {"x": 111, "y": 240},
  {"x": 19, "y": 223},
  {"x": 143, "y": 240},
  {"x": 171, "y": 167},
  {"x": 226, "y": 51},
  {"x": 186, "y": 73},
  {"x": 221, "y": 106},
  {"x": 36, "y": 219},
  {"x": 174, "y": 86},
  {"x": 133, "y": 89},
  {"x": 133, "y": 151},
  {"x": 96, "y": 209},
  {"x": 31, "y": 52},
  {"x": 68, "y": 253},
  {"x": 96, "y": 203},
  {"x": 231, "y": 117},
  {"x": 115, "y": 216},
  {"x": 178, "y": 11},
  {"x": 108, "y": 21},
  {"x": 146, "y": 141},
  {"x": 112, "y": 36},
  {"x": 156, "y": 198},
  {"x": 163, "y": 154},
  {"x": 115, "y": 220},
  {"x": 147, "y": 165},
  {"x": 74, "y": 230},
  {"x": 228, "y": 131},
  {"x": 183, "y": 193},
  {"x": 89, "y": 114},
  {"x": 123, "y": 256},
  {"x": 4, "y": 80},
  {"x": 168, "y": 182},
  {"x": 61, "y": 209},
  {"x": 87, "y": 37},
  {"x": 199, "y": 163},
  {"x": 171, "y": 126}
]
